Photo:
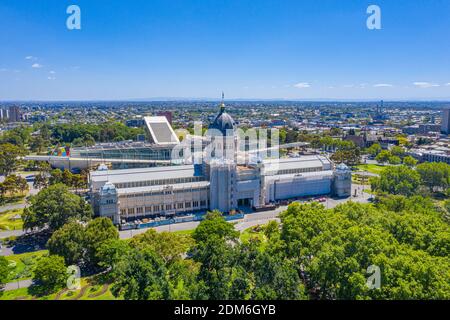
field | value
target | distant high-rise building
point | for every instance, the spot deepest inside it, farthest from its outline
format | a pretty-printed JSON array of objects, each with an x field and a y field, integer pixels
[
  {"x": 3, "y": 114},
  {"x": 445, "y": 127},
  {"x": 14, "y": 114},
  {"x": 166, "y": 114}
]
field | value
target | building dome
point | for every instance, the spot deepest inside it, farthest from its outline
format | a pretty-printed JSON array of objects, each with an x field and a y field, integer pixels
[
  {"x": 223, "y": 122},
  {"x": 108, "y": 188},
  {"x": 342, "y": 167}
]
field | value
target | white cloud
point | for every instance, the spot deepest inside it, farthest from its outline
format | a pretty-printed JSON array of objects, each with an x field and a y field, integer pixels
[
  {"x": 52, "y": 72},
  {"x": 31, "y": 58},
  {"x": 448, "y": 84},
  {"x": 383, "y": 85},
  {"x": 36, "y": 65},
  {"x": 302, "y": 85},
  {"x": 51, "y": 78},
  {"x": 422, "y": 84},
  {"x": 348, "y": 85}
]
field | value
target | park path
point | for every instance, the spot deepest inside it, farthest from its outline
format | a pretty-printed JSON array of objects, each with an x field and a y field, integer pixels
[
  {"x": 8, "y": 207},
  {"x": 17, "y": 285},
  {"x": 11, "y": 233}
]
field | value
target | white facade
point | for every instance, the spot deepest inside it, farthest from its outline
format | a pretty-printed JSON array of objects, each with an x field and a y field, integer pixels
[{"x": 137, "y": 193}]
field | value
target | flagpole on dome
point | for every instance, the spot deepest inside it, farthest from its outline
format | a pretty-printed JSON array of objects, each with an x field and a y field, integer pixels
[{"x": 222, "y": 105}]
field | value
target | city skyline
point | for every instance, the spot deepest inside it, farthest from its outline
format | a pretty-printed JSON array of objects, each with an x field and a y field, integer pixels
[{"x": 294, "y": 50}]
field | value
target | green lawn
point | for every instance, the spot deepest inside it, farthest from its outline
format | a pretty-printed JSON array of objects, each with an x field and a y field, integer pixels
[
  {"x": 8, "y": 221},
  {"x": 372, "y": 168},
  {"x": 14, "y": 294},
  {"x": 88, "y": 291},
  {"x": 13, "y": 199},
  {"x": 25, "y": 263},
  {"x": 252, "y": 233},
  {"x": 185, "y": 232}
]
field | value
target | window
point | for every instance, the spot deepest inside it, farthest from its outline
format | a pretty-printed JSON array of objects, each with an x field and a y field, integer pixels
[
  {"x": 131, "y": 211},
  {"x": 168, "y": 207},
  {"x": 187, "y": 204},
  {"x": 139, "y": 210},
  {"x": 180, "y": 206},
  {"x": 123, "y": 212},
  {"x": 195, "y": 203},
  {"x": 148, "y": 209},
  {"x": 202, "y": 203},
  {"x": 156, "y": 208}
]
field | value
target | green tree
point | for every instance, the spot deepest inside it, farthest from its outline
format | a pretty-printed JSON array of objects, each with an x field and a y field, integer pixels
[
  {"x": 409, "y": 161},
  {"x": 56, "y": 176},
  {"x": 434, "y": 175},
  {"x": 98, "y": 231},
  {"x": 394, "y": 160},
  {"x": 383, "y": 156},
  {"x": 276, "y": 278},
  {"x": 335, "y": 247},
  {"x": 141, "y": 275},
  {"x": 67, "y": 178},
  {"x": 214, "y": 242},
  {"x": 68, "y": 242},
  {"x": 398, "y": 151},
  {"x": 110, "y": 253},
  {"x": 50, "y": 275},
  {"x": 169, "y": 246},
  {"x": 53, "y": 207},
  {"x": 37, "y": 144},
  {"x": 350, "y": 157},
  {"x": 9, "y": 158},
  {"x": 397, "y": 180},
  {"x": 374, "y": 149},
  {"x": 40, "y": 181},
  {"x": 4, "y": 272}
]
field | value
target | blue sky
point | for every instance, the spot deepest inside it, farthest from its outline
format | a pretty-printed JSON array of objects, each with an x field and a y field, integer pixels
[{"x": 302, "y": 49}]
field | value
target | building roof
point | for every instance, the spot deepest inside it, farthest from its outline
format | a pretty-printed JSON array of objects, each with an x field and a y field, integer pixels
[
  {"x": 312, "y": 161},
  {"x": 223, "y": 122},
  {"x": 160, "y": 130},
  {"x": 327, "y": 174},
  {"x": 178, "y": 186},
  {"x": 143, "y": 174}
]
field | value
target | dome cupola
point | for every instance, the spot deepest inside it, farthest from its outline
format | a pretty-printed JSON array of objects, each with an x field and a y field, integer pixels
[{"x": 223, "y": 121}]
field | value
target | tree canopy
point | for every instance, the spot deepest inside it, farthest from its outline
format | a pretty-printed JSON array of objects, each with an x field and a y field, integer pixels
[
  {"x": 50, "y": 275},
  {"x": 397, "y": 180},
  {"x": 53, "y": 207}
]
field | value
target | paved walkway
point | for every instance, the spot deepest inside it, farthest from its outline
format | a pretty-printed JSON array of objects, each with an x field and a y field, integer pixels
[
  {"x": 11, "y": 233},
  {"x": 17, "y": 285},
  {"x": 8, "y": 207}
]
